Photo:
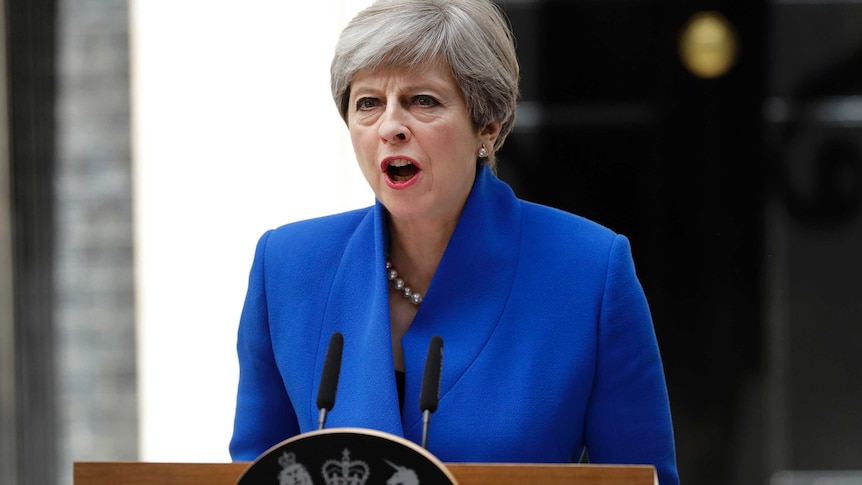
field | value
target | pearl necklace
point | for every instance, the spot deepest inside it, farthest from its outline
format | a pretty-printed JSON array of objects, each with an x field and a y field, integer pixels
[{"x": 401, "y": 285}]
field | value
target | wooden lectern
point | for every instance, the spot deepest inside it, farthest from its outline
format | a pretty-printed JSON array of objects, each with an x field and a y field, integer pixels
[
  {"x": 135, "y": 473},
  {"x": 297, "y": 459}
]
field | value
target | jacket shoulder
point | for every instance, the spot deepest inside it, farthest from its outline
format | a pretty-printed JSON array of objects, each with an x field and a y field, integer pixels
[
  {"x": 564, "y": 228},
  {"x": 300, "y": 246},
  {"x": 319, "y": 230}
]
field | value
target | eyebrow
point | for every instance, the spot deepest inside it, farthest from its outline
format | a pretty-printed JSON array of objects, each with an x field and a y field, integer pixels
[{"x": 419, "y": 86}]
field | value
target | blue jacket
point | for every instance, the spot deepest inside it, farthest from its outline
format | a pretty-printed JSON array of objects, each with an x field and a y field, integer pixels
[{"x": 548, "y": 341}]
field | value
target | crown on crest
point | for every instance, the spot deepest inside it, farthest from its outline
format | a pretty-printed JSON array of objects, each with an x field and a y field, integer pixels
[{"x": 345, "y": 471}]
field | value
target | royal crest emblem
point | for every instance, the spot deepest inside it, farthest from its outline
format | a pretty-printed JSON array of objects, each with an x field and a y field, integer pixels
[
  {"x": 292, "y": 473},
  {"x": 346, "y": 456},
  {"x": 345, "y": 471},
  {"x": 402, "y": 475}
]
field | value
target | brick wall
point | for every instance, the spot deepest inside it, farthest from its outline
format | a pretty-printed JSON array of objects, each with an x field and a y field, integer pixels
[{"x": 94, "y": 249}]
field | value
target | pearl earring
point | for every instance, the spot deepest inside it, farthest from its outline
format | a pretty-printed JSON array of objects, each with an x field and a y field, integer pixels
[{"x": 483, "y": 152}]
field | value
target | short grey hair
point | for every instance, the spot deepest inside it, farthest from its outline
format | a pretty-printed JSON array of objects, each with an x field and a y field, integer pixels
[{"x": 472, "y": 37}]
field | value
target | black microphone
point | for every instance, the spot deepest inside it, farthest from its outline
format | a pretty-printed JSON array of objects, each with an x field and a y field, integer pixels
[
  {"x": 430, "y": 395},
  {"x": 329, "y": 378}
]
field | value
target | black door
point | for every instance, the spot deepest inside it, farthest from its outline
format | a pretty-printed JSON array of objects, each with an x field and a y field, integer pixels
[{"x": 613, "y": 126}]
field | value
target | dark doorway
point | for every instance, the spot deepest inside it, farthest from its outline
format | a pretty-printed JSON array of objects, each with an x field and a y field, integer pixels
[{"x": 615, "y": 128}]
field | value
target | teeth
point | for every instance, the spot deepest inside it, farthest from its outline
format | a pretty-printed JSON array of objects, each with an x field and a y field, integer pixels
[{"x": 399, "y": 163}]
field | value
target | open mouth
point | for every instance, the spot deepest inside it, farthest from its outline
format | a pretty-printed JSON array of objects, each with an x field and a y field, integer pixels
[{"x": 401, "y": 170}]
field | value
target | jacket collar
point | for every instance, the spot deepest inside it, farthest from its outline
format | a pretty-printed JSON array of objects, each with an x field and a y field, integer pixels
[{"x": 463, "y": 305}]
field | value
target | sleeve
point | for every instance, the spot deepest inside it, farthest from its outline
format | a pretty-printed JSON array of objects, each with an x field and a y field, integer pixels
[
  {"x": 628, "y": 418},
  {"x": 264, "y": 414}
]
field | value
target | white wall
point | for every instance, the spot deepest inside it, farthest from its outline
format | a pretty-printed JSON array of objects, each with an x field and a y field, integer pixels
[{"x": 234, "y": 132}]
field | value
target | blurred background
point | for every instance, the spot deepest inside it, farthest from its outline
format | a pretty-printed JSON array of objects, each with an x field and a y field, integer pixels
[{"x": 145, "y": 145}]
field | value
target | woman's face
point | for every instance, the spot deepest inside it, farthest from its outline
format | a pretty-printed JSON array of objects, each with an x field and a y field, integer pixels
[{"x": 415, "y": 142}]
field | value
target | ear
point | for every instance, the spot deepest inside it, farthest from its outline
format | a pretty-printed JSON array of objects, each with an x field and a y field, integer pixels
[{"x": 488, "y": 135}]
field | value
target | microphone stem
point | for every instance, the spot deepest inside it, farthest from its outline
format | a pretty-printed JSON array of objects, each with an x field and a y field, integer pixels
[
  {"x": 426, "y": 420},
  {"x": 321, "y": 420}
]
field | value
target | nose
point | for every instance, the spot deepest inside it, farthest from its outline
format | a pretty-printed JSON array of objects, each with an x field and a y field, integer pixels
[{"x": 393, "y": 126}]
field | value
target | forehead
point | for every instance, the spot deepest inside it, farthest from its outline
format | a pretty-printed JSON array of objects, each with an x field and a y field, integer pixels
[{"x": 435, "y": 74}]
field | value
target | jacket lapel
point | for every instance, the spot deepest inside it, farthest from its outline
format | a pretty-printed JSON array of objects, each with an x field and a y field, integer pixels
[
  {"x": 463, "y": 305},
  {"x": 358, "y": 307},
  {"x": 469, "y": 290}
]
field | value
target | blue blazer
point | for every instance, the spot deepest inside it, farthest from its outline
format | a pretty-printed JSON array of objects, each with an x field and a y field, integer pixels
[{"x": 549, "y": 345}]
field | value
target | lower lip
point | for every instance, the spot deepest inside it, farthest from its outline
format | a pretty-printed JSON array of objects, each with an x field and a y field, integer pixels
[{"x": 397, "y": 185}]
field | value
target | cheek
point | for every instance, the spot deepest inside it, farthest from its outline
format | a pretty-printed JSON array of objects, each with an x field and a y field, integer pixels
[
  {"x": 364, "y": 155},
  {"x": 358, "y": 141},
  {"x": 362, "y": 133}
]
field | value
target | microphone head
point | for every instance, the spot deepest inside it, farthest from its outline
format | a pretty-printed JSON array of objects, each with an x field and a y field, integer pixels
[
  {"x": 430, "y": 394},
  {"x": 331, "y": 370}
]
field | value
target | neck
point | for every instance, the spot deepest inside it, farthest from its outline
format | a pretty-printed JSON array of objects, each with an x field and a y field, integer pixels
[{"x": 416, "y": 249}]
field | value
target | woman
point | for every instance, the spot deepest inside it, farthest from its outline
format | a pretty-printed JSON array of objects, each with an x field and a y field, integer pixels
[{"x": 550, "y": 348}]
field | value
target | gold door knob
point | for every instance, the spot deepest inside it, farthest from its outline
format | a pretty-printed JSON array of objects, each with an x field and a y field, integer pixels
[{"x": 708, "y": 45}]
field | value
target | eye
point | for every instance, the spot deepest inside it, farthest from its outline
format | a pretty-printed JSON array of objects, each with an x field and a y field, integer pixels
[
  {"x": 364, "y": 104},
  {"x": 425, "y": 100}
]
